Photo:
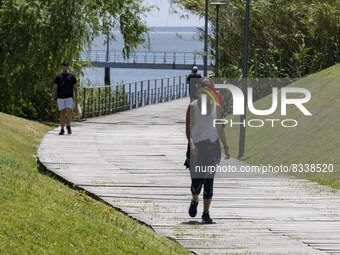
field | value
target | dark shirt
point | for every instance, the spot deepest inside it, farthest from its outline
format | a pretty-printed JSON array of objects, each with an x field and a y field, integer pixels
[
  {"x": 193, "y": 75},
  {"x": 65, "y": 84},
  {"x": 192, "y": 81}
]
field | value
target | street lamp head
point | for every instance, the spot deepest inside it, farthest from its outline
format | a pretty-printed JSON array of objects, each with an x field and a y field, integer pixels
[{"x": 217, "y": 3}]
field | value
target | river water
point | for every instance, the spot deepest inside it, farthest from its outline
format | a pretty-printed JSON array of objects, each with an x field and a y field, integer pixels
[{"x": 170, "y": 39}]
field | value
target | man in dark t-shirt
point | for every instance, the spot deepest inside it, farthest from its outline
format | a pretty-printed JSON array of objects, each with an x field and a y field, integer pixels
[
  {"x": 64, "y": 91},
  {"x": 192, "y": 80}
]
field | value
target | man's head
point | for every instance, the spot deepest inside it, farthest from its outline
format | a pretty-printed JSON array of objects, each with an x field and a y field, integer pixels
[
  {"x": 194, "y": 69},
  {"x": 65, "y": 66}
]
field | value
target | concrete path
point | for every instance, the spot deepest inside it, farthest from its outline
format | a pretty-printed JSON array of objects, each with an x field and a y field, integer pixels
[{"x": 134, "y": 161}]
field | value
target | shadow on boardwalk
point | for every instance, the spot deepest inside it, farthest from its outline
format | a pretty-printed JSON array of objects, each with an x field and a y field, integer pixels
[{"x": 134, "y": 161}]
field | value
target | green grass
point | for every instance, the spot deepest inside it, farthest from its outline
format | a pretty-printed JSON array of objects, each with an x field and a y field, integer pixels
[
  {"x": 315, "y": 139},
  {"x": 39, "y": 215}
]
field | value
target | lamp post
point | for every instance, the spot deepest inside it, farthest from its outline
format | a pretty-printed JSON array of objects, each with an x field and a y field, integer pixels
[
  {"x": 107, "y": 80},
  {"x": 205, "y": 56},
  {"x": 244, "y": 81},
  {"x": 217, "y": 5}
]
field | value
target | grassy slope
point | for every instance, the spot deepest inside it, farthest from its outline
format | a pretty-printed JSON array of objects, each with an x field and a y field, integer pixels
[
  {"x": 40, "y": 215},
  {"x": 314, "y": 140}
]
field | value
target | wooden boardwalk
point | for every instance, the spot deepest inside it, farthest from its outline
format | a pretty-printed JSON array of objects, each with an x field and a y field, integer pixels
[{"x": 134, "y": 161}]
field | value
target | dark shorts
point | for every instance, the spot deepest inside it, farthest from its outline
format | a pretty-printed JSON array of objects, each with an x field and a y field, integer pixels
[{"x": 201, "y": 166}]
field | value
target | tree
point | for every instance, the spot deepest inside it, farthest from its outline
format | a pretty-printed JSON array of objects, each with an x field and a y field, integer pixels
[
  {"x": 37, "y": 35},
  {"x": 288, "y": 38}
]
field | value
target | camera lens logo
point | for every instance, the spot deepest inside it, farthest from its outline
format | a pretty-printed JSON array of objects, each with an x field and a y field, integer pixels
[{"x": 209, "y": 90}]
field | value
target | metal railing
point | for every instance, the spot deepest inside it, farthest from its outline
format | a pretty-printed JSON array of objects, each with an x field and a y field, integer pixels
[
  {"x": 147, "y": 57},
  {"x": 97, "y": 101}
]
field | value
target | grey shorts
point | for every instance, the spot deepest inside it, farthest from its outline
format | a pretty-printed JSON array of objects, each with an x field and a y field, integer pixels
[{"x": 65, "y": 103}]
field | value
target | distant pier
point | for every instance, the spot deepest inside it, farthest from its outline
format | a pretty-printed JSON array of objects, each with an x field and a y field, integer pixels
[{"x": 145, "y": 59}]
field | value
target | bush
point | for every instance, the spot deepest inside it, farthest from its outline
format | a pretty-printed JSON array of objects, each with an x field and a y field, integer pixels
[
  {"x": 36, "y": 36},
  {"x": 288, "y": 38}
]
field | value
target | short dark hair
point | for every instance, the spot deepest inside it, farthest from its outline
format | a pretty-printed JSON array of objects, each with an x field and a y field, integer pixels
[{"x": 65, "y": 63}]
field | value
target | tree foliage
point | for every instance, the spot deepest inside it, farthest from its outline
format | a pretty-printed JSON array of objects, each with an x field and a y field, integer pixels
[
  {"x": 288, "y": 38},
  {"x": 37, "y": 35}
]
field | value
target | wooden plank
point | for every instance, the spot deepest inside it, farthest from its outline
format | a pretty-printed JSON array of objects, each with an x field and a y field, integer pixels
[{"x": 134, "y": 161}]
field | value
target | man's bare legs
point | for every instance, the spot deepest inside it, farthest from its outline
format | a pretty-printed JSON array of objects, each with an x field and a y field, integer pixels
[
  {"x": 62, "y": 118},
  {"x": 68, "y": 116},
  {"x": 65, "y": 118},
  {"x": 68, "y": 120}
]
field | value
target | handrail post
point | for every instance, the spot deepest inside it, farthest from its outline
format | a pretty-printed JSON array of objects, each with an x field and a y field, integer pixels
[
  {"x": 148, "y": 91},
  {"x": 179, "y": 87},
  {"x": 124, "y": 97},
  {"x": 105, "y": 101},
  {"x": 162, "y": 90},
  {"x": 99, "y": 98},
  {"x": 158, "y": 95},
  {"x": 156, "y": 92},
  {"x": 136, "y": 96},
  {"x": 130, "y": 96},
  {"x": 109, "y": 106},
  {"x": 186, "y": 89},
  {"x": 174, "y": 88},
  {"x": 84, "y": 102},
  {"x": 168, "y": 90},
  {"x": 142, "y": 93},
  {"x": 93, "y": 102},
  {"x": 117, "y": 100}
]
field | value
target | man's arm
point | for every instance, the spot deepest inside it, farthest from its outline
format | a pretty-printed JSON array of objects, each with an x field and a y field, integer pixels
[
  {"x": 188, "y": 79},
  {"x": 54, "y": 92},
  {"x": 75, "y": 89}
]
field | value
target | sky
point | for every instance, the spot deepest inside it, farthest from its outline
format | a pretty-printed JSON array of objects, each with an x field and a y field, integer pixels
[{"x": 165, "y": 18}]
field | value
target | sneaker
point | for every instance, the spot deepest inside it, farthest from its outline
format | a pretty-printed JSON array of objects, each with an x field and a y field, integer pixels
[
  {"x": 193, "y": 208},
  {"x": 62, "y": 132},
  {"x": 206, "y": 217},
  {"x": 69, "y": 131}
]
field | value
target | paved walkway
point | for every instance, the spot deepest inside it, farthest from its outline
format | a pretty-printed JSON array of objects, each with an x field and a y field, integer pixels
[{"x": 134, "y": 161}]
